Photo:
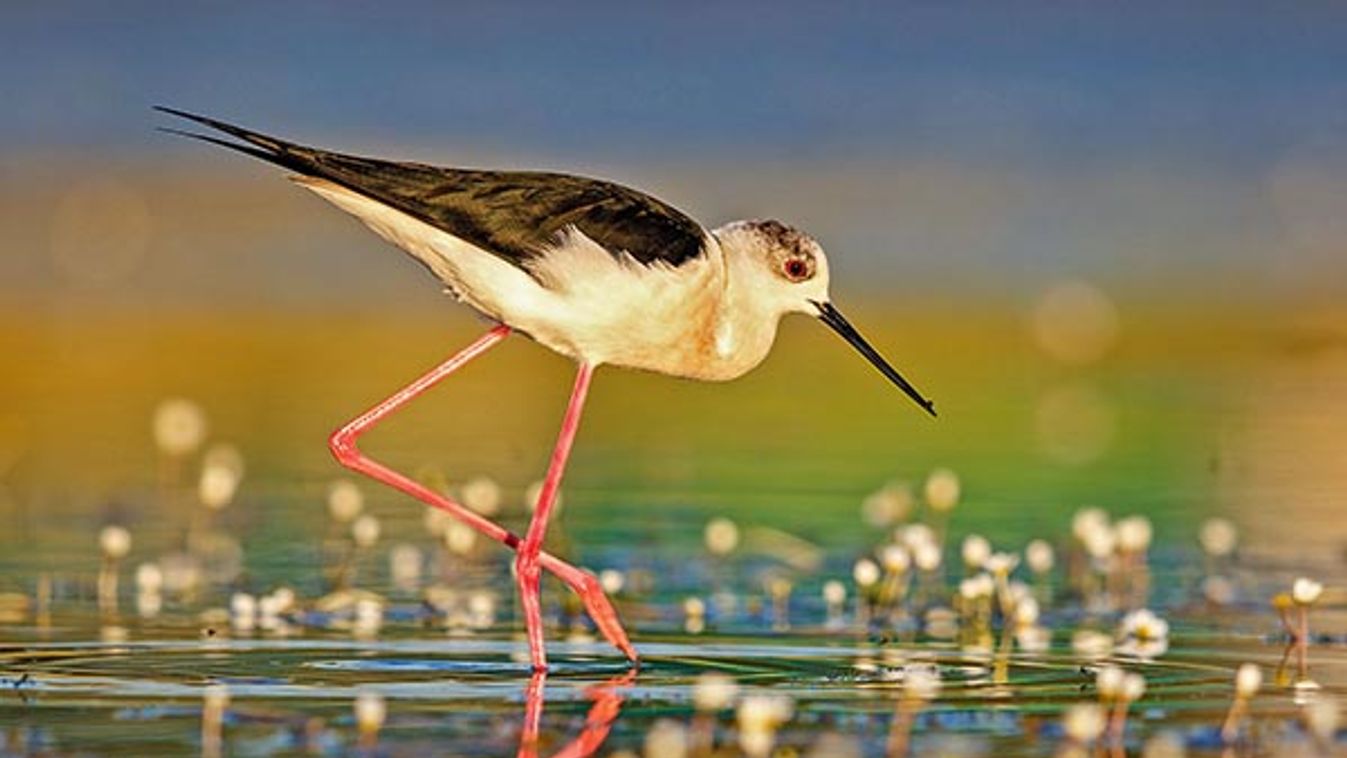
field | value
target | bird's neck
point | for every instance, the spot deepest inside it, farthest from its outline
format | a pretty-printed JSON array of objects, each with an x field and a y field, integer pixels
[{"x": 744, "y": 324}]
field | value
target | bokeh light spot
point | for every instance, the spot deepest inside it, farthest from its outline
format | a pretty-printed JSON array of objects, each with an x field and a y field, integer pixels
[{"x": 1075, "y": 322}]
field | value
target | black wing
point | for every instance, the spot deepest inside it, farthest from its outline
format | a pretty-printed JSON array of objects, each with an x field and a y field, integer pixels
[{"x": 515, "y": 215}]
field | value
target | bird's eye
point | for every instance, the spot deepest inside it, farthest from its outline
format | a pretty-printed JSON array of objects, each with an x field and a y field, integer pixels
[{"x": 796, "y": 269}]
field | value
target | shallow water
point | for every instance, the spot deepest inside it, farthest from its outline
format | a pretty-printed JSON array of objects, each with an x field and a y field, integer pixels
[{"x": 80, "y": 681}]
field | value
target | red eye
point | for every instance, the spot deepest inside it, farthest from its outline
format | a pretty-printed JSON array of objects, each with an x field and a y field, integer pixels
[{"x": 796, "y": 269}]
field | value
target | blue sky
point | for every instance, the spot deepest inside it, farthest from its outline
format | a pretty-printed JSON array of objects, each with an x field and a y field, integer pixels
[
  {"x": 1223, "y": 86},
  {"x": 983, "y": 141}
]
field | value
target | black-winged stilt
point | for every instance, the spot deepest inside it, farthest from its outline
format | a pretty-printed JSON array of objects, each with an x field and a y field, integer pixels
[{"x": 596, "y": 271}]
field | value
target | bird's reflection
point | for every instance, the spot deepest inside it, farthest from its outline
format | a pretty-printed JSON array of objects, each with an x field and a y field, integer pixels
[{"x": 607, "y": 701}]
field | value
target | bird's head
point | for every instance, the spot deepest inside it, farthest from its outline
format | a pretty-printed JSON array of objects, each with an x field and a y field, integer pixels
[{"x": 787, "y": 271}]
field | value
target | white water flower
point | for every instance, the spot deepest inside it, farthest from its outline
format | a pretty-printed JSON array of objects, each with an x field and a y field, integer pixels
[
  {"x": 612, "y": 581},
  {"x": 365, "y": 531},
  {"x": 1144, "y": 624},
  {"x": 115, "y": 542},
  {"x": 1108, "y": 682},
  {"x": 1087, "y": 520},
  {"x": 1248, "y": 680},
  {"x": 1143, "y": 634},
  {"x": 1306, "y": 591},
  {"x": 1033, "y": 638},
  {"x": 834, "y": 592},
  {"x": 220, "y": 475},
  {"x": 243, "y": 611},
  {"x": 482, "y": 495},
  {"x": 1322, "y": 717},
  {"x": 1026, "y": 611},
  {"x": 458, "y": 537},
  {"x": 889, "y": 505},
  {"x": 941, "y": 623},
  {"x": 436, "y": 521},
  {"x": 975, "y": 550},
  {"x": 921, "y": 683},
  {"x": 1218, "y": 537},
  {"x": 721, "y": 536},
  {"x": 1091, "y": 645},
  {"x": 370, "y": 711},
  {"x": 149, "y": 578},
  {"x": 942, "y": 490},
  {"x": 865, "y": 572},
  {"x": 895, "y": 558},
  {"x": 344, "y": 501},
  {"x": 1017, "y": 592},
  {"x": 759, "y": 715},
  {"x": 404, "y": 565},
  {"x": 1218, "y": 590},
  {"x": 1100, "y": 542},
  {"x": 666, "y": 738},
  {"x": 369, "y": 618},
  {"x": 975, "y": 587},
  {"x": 1083, "y": 722},
  {"x": 1134, "y": 534},
  {"x": 915, "y": 535},
  {"x": 1038, "y": 555},
  {"x": 927, "y": 556},
  {"x": 1001, "y": 564},
  {"x": 714, "y": 691},
  {"x": 179, "y": 426},
  {"x": 1133, "y": 687}
]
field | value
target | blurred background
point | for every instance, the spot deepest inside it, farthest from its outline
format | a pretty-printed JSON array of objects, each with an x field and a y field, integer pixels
[{"x": 1111, "y": 242}]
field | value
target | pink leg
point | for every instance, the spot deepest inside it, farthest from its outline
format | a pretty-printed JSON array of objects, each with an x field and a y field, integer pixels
[
  {"x": 343, "y": 445},
  {"x": 527, "y": 561}
]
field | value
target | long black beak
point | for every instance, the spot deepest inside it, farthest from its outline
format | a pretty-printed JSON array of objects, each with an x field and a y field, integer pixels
[{"x": 833, "y": 318}]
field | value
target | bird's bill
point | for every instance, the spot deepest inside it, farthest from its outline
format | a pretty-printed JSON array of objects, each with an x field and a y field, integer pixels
[{"x": 829, "y": 315}]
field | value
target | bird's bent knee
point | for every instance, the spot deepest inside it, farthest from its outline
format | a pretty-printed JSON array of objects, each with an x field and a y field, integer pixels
[{"x": 342, "y": 445}]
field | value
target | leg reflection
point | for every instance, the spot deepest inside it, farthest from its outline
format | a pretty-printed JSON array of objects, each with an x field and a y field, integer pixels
[{"x": 607, "y": 698}]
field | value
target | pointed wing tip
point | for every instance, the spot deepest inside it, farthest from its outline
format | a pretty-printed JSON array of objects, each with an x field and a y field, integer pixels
[
  {"x": 245, "y": 149},
  {"x": 181, "y": 113}
]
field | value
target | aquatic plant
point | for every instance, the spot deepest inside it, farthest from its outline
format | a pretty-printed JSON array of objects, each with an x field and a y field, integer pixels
[
  {"x": 1082, "y": 724},
  {"x": 759, "y": 716},
  {"x": 214, "y": 703},
  {"x": 921, "y": 685},
  {"x": 1305, "y": 592},
  {"x": 370, "y": 712},
  {"x": 1143, "y": 634},
  {"x": 1248, "y": 680},
  {"x": 115, "y": 543}
]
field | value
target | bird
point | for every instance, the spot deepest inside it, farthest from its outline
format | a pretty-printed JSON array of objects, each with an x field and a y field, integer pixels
[{"x": 599, "y": 272}]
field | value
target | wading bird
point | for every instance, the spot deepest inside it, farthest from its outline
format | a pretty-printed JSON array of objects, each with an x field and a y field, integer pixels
[{"x": 598, "y": 272}]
